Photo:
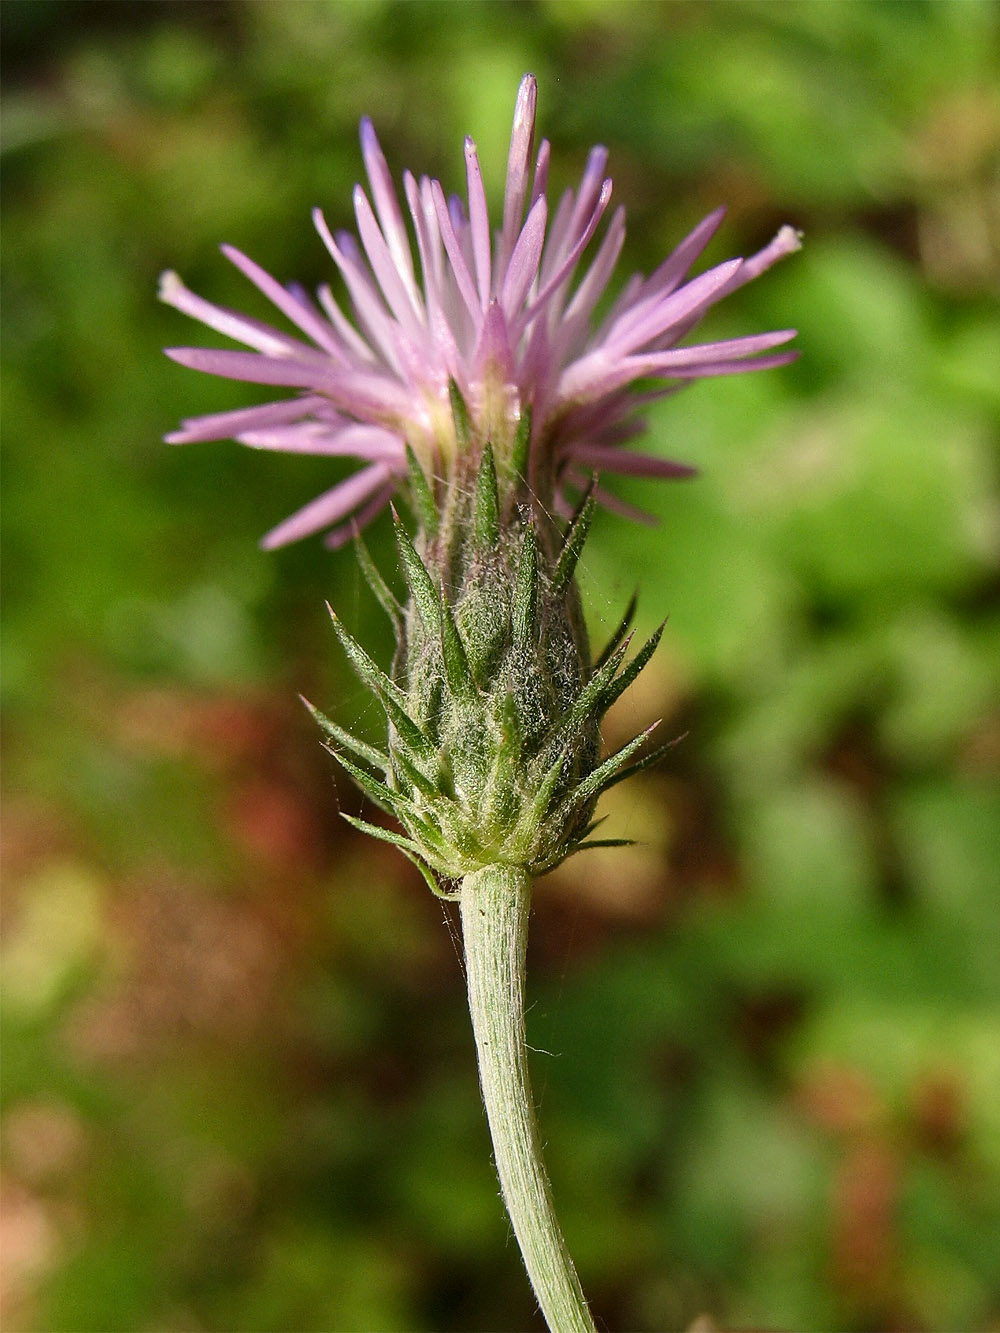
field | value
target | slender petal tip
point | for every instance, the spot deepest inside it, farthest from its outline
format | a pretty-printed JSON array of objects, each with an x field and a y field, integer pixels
[
  {"x": 789, "y": 239},
  {"x": 170, "y": 287},
  {"x": 527, "y": 101}
]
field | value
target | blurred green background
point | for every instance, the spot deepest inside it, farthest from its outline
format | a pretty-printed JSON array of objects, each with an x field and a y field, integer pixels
[{"x": 238, "y": 1078}]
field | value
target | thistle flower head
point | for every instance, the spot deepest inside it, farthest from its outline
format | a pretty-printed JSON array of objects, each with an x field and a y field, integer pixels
[
  {"x": 506, "y": 316},
  {"x": 472, "y": 372}
]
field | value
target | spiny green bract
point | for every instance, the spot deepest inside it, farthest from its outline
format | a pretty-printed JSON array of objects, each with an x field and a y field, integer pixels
[{"x": 494, "y": 704}]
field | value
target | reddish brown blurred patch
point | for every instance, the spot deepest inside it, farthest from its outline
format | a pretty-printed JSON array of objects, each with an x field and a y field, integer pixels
[
  {"x": 864, "y": 1248},
  {"x": 864, "y": 1244},
  {"x": 271, "y": 824},
  {"x": 765, "y": 1020},
  {"x": 980, "y": 756},
  {"x": 273, "y": 803},
  {"x": 841, "y": 1100},
  {"x": 30, "y": 832},
  {"x": 29, "y": 1244},
  {"x": 43, "y": 1141},
  {"x": 855, "y": 757},
  {"x": 189, "y": 965},
  {"x": 875, "y": 1147},
  {"x": 216, "y": 730},
  {"x": 703, "y": 862},
  {"x": 939, "y": 1111}
]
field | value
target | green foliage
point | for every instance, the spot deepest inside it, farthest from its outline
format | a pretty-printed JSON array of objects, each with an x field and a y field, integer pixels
[{"x": 238, "y": 1082}]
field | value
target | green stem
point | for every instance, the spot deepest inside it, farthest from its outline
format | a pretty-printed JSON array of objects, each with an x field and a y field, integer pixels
[{"x": 495, "y": 903}]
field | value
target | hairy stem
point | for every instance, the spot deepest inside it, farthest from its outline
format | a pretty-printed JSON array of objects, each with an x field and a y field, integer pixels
[{"x": 495, "y": 903}]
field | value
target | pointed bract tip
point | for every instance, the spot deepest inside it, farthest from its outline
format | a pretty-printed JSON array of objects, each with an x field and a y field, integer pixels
[
  {"x": 317, "y": 716},
  {"x": 459, "y": 411}
]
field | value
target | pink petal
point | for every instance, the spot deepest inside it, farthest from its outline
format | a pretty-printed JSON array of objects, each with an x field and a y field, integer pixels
[
  {"x": 521, "y": 139},
  {"x": 479, "y": 222},
  {"x": 540, "y": 183},
  {"x": 459, "y": 267},
  {"x": 428, "y": 245},
  {"x": 329, "y": 507},
  {"x": 241, "y": 328},
  {"x": 227, "y": 425},
  {"x": 362, "y": 393},
  {"x": 590, "y": 187},
  {"x": 646, "y": 363},
  {"x": 386, "y": 202},
  {"x": 569, "y": 263},
  {"x": 301, "y": 316},
  {"x": 599, "y": 458},
  {"x": 329, "y": 440},
  {"x": 352, "y": 339},
  {"x": 493, "y": 349},
  {"x": 369, "y": 306},
  {"x": 652, "y": 317},
  {"x": 594, "y": 281},
  {"x": 673, "y": 269},
  {"x": 523, "y": 267},
  {"x": 399, "y": 296},
  {"x": 739, "y": 367},
  {"x": 611, "y": 501},
  {"x": 360, "y": 518},
  {"x": 787, "y": 242},
  {"x": 253, "y": 367},
  {"x": 558, "y": 230},
  {"x": 356, "y": 392}
]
